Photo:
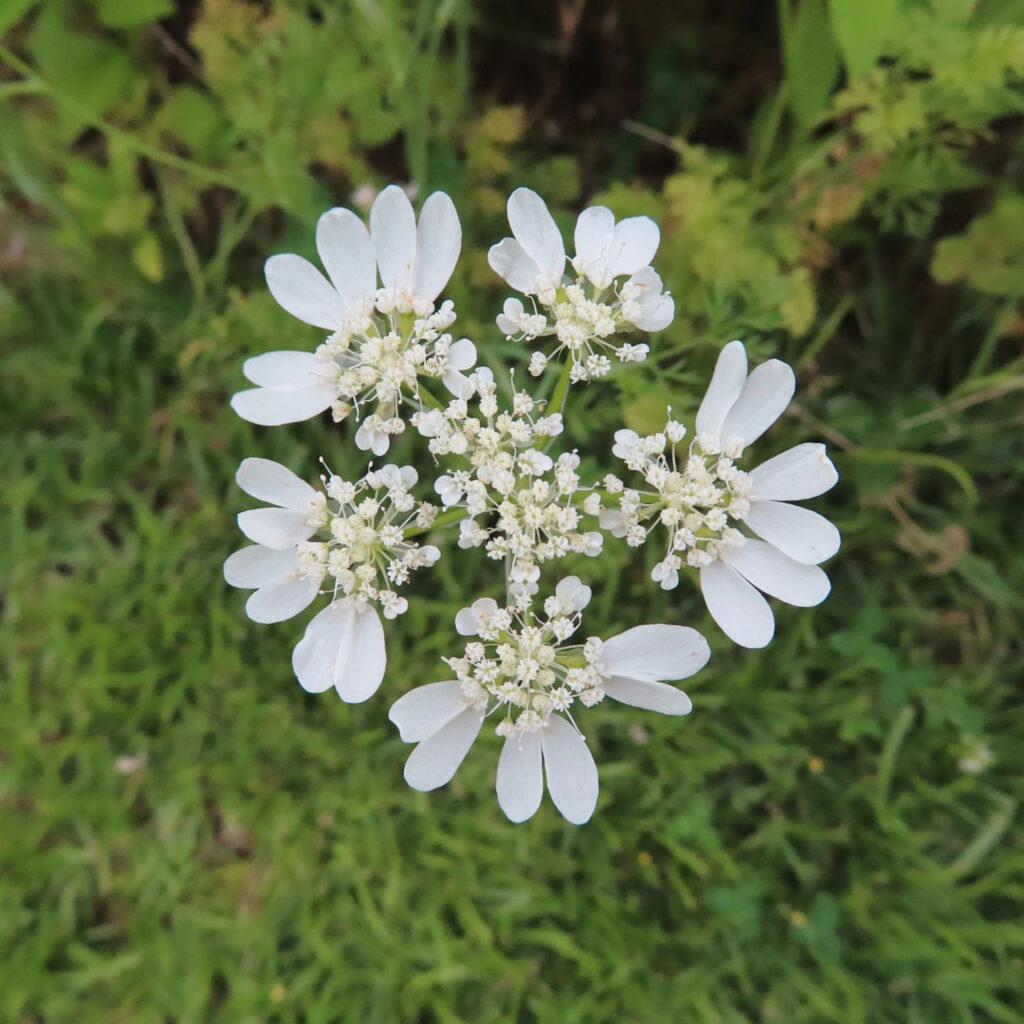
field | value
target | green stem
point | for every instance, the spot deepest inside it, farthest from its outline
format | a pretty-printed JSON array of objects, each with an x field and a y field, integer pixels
[
  {"x": 557, "y": 401},
  {"x": 454, "y": 515},
  {"x": 427, "y": 400}
]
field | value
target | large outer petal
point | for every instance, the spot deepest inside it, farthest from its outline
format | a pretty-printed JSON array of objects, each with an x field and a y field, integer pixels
[
  {"x": 797, "y": 473},
  {"x": 257, "y": 566},
  {"x": 393, "y": 230},
  {"x": 536, "y": 231},
  {"x": 651, "y": 696},
  {"x": 520, "y": 781},
  {"x": 347, "y": 252},
  {"x": 273, "y": 407},
  {"x": 726, "y": 385},
  {"x": 741, "y": 612},
  {"x": 422, "y": 711},
  {"x": 437, "y": 758},
  {"x": 656, "y": 652},
  {"x": 277, "y": 528},
  {"x": 304, "y": 292},
  {"x": 298, "y": 370},
  {"x": 342, "y": 648},
  {"x": 595, "y": 228},
  {"x": 777, "y": 574},
  {"x": 438, "y": 243},
  {"x": 633, "y": 246},
  {"x": 762, "y": 401},
  {"x": 270, "y": 481},
  {"x": 511, "y": 262},
  {"x": 282, "y": 600},
  {"x": 570, "y": 770},
  {"x": 798, "y": 532}
]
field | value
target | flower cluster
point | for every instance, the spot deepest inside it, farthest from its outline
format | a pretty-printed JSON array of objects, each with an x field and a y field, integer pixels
[
  {"x": 350, "y": 542},
  {"x": 522, "y": 667},
  {"x": 383, "y": 339},
  {"x": 584, "y": 314},
  {"x": 502, "y": 486},
  {"x": 705, "y": 499}
]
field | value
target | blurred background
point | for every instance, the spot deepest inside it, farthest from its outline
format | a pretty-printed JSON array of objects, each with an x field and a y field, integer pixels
[{"x": 832, "y": 835}]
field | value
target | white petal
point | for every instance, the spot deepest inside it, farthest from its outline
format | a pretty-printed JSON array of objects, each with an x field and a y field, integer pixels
[
  {"x": 594, "y": 230},
  {"x": 801, "y": 472},
  {"x": 657, "y": 314},
  {"x": 762, "y": 401},
  {"x": 304, "y": 292},
  {"x": 536, "y": 231},
  {"x": 281, "y": 601},
  {"x": 393, "y": 230},
  {"x": 656, "y": 652},
  {"x": 634, "y": 244},
  {"x": 314, "y": 656},
  {"x": 649, "y": 695},
  {"x": 520, "y": 782},
  {"x": 421, "y": 712},
  {"x": 726, "y": 384},
  {"x": 439, "y": 240},
  {"x": 437, "y": 758},
  {"x": 276, "y": 528},
  {"x": 467, "y": 621},
  {"x": 655, "y": 309},
  {"x": 570, "y": 770},
  {"x": 741, "y": 612},
  {"x": 368, "y": 439},
  {"x": 511, "y": 262},
  {"x": 778, "y": 574},
  {"x": 798, "y": 532},
  {"x": 458, "y": 384},
  {"x": 284, "y": 370},
  {"x": 271, "y": 407},
  {"x": 257, "y": 566},
  {"x": 272, "y": 482},
  {"x": 342, "y": 648},
  {"x": 346, "y": 251},
  {"x": 575, "y": 593},
  {"x": 358, "y": 675},
  {"x": 462, "y": 355}
]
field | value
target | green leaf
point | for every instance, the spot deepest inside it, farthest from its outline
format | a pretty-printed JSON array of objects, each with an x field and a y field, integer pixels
[
  {"x": 192, "y": 116},
  {"x": 148, "y": 258},
  {"x": 862, "y": 28},
  {"x": 91, "y": 71},
  {"x": 129, "y": 13},
  {"x": 812, "y": 62}
]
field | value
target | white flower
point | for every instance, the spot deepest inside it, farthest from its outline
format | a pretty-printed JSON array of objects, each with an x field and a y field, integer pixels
[
  {"x": 522, "y": 665},
  {"x": 646, "y": 305},
  {"x": 704, "y": 498},
  {"x": 354, "y": 537},
  {"x": 381, "y": 341},
  {"x": 585, "y": 313},
  {"x": 975, "y": 756},
  {"x": 532, "y": 262},
  {"x": 415, "y": 262},
  {"x": 606, "y": 250}
]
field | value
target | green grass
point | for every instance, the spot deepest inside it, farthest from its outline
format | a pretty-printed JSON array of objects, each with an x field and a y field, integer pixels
[{"x": 185, "y": 836}]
